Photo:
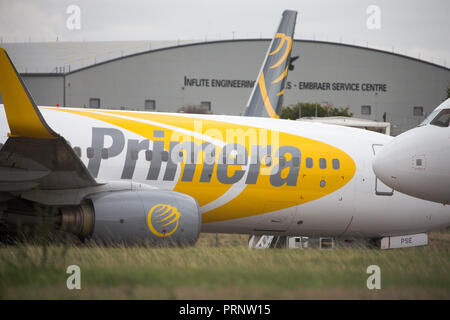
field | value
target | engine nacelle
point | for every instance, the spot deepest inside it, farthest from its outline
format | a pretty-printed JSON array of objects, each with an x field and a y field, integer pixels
[{"x": 156, "y": 217}]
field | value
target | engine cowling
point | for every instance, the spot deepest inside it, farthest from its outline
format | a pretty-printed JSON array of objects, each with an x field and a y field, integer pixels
[{"x": 156, "y": 217}]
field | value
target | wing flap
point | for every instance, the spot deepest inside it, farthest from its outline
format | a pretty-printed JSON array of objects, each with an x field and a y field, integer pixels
[
  {"x": 17, "y": 186},
  {"x": 11, "y": 174},
  {"x": 53, "y": 158}
]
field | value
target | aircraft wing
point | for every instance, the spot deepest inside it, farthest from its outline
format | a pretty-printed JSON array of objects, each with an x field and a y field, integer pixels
[
  {"x": 34, "y": 156},
  {"x": 267, "y": 96}
]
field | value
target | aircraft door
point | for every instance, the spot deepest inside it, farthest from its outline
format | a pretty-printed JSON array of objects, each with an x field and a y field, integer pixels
[{"x": 380, "y": 188}]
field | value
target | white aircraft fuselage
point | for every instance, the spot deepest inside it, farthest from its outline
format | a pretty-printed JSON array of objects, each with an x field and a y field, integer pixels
[{"x": 287, "y": 178}]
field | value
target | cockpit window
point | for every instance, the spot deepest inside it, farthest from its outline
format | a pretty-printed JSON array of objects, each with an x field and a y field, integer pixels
[
  {"x": 442, "y": 119},
  {"x": 430, "y": 117}
]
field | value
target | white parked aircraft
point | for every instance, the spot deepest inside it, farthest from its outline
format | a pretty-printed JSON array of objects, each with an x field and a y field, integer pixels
[
  {"x": 417, "y": 162},
  {"x": 133, "y": 176}
]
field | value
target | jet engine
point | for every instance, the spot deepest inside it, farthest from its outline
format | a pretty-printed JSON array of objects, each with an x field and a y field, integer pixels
[{"x": 132, "y": 216}]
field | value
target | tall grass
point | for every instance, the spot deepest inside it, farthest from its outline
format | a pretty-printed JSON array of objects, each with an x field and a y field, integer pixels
[{"x": 227, "y": 271}]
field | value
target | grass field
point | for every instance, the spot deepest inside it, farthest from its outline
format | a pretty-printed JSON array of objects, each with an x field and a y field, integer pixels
[{"x": 227, "y": 271}]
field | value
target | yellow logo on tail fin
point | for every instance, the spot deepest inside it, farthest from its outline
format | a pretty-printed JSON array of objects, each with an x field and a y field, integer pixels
[{"x": 288, "y": 40}]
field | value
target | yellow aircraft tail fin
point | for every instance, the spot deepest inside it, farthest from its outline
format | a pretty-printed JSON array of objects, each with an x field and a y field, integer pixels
[{"x": 24, "y": 118}]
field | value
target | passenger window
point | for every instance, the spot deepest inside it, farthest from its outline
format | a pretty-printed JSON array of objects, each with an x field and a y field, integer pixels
[
  {"x": 309, "y": 163},
  {"x": 442, "y": 119},
  {"x": 90, "y": 152},
  {"x": 192, "y": 159},
  {"x": 164, "y": 156},
  {"x": 336, "y": 164},
  {"x": 148, "y": 155},
  {"x": 296, "y": 162},
  {"x": 282, "y": 161},
  {"x": 104, "y": 153},
  {"x": 322, "y": 163}
]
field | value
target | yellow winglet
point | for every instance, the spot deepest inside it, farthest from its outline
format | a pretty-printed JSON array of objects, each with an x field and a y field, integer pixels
[{"x": 24, "y": 118}]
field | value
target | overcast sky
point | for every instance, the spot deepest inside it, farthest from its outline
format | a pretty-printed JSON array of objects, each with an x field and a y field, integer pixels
[{"x": 416, "y": 28}]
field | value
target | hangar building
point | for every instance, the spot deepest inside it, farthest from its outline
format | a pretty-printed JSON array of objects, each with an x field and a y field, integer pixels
[{"x": 219, "y": 75}]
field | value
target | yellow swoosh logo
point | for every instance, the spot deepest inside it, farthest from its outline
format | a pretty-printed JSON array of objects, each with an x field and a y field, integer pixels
[
  {"x": 288, "y": 40},
  {"x": 165, "y": 217}
]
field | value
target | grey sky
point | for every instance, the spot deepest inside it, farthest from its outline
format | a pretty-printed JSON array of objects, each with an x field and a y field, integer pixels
[{"x": 415, "y": 28}]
